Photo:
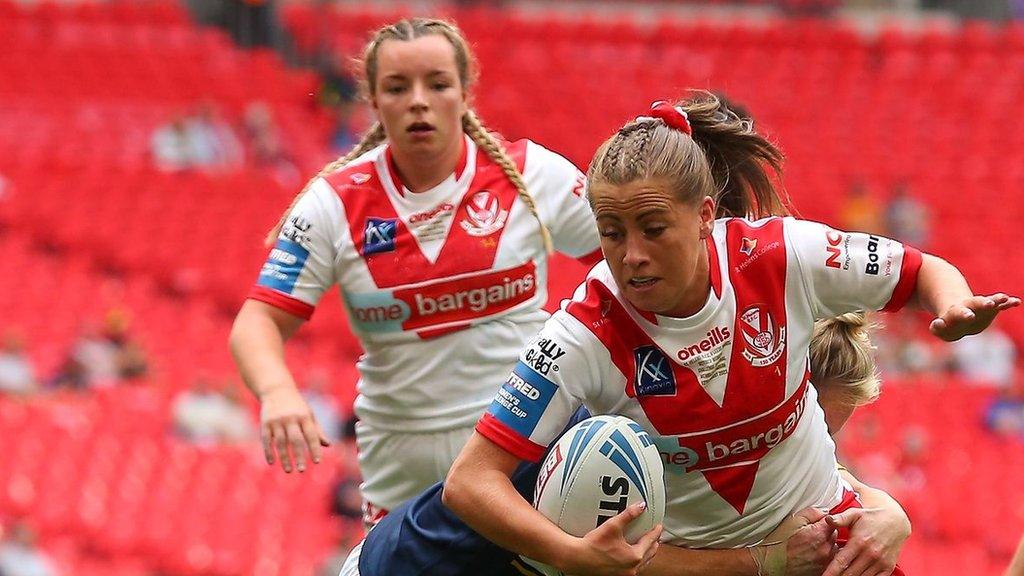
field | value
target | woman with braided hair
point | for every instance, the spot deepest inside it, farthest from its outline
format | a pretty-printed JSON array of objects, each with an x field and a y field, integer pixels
[
  {"x": 438, "y": 234},
  {"x": 698, "y": 328}
]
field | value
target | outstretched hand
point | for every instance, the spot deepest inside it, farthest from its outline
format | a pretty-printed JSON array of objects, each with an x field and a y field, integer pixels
[{"x": 971, "y": 316}]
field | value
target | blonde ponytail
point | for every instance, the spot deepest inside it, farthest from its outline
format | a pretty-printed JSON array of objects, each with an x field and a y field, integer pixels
[
  {"x": 842, "y": 360},
  {"x": 472, "y": 126}
]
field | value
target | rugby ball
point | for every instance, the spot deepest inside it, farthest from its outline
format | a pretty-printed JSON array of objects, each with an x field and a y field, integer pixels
[{"x": 596, "y": 470}]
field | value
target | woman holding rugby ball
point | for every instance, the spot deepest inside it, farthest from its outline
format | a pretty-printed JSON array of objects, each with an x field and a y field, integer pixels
[{"x": 698, "y": 329}]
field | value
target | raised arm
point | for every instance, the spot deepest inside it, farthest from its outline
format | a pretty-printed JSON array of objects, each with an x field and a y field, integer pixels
[
  {"x": 257, "y": 344},
  {"x": 943, "y": 291}
]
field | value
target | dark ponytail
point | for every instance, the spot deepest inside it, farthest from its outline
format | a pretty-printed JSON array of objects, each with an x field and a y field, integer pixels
[{"x": 745, "y": 166}]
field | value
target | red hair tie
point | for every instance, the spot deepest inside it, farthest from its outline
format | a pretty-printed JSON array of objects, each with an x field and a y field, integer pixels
[{"x": 673, "y": 116}]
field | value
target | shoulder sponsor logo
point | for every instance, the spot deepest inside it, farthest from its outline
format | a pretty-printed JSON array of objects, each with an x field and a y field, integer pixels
[
  {"x": 747, "y": 246},
  {"x": 872, "y": 264},
  {"x": 379, "y": 235},
  {"x": 360, "y": 178},
  {"x": 764, "y": 341},
  {"x": 543, "y": 356},
  {"x": 838, "y": 246},
  {"x": 284, "y": 265},
  {"x": 522, "y": 400},
  {"x": 484, "y": 214},
  {"x": 654, "y": 375},
  {"x": 297, "y": 230}
]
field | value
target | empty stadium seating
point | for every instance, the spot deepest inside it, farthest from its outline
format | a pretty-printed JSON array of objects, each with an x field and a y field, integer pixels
[{"x": 86, "y": 224}]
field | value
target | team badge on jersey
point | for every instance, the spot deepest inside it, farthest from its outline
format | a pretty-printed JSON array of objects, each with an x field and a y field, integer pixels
[
  {"x": 654, "y": 375},
  {"x": 379, "y": 235},
  {"x": 484, "y": 214},
  {"x": 764, "y": 341}
]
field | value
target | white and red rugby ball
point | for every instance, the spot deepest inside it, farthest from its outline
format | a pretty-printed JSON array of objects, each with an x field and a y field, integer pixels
[{"x": 596, "y": 469}]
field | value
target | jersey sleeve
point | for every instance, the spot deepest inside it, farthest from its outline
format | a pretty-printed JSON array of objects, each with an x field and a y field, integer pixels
[
  {"x": 850, "y": 271},
  {"x": 300, "y": 267},
  {"x": 544, "y": 390},
  {"x": 561, "y": 198}
]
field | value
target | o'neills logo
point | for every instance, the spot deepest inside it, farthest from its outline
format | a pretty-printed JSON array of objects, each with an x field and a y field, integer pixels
[{"x": 714, "y": 337}]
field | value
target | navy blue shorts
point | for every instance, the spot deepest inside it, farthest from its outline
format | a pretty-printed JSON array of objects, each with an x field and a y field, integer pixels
[{"x": 423, "y": 537}]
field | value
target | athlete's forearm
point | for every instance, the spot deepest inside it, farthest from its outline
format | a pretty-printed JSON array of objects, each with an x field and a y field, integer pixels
[
  {"x": 675, "y": 561},
  {"x": 479, "y": 491},
  {"x": 939, "y": 285},
  {"x": 257, "y": 344}
]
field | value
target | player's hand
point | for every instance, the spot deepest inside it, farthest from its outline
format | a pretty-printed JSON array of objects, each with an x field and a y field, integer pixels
[
  {"x": 811, "y": 547},
  {"x": 605, "y": 551},
  {"x": 971, "y": 316},
  {"x": 286, "y": 422},
  {"x": 876, "y": 538}
]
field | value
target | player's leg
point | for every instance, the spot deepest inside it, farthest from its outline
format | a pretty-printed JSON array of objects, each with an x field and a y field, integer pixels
[
  {"x": 396, "y": 467},
  {"x": 422, "y": 536}
]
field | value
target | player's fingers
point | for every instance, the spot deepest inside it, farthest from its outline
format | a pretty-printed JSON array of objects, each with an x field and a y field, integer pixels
[
  {"x": 321, "y": 437},
  {"x": 1010, "y": 302},
  {"x": 843, "y": 519},
  {"x": 622, "y": 519},
  {"x": 809, "y": 515},
  {"x": 649, "y": 541},
  {"x": 267, "y": 436},
  {"x": 281, "y": 444},
  {"x": 312, "y": 436},
  {"x": 840, "y": 562},
  {"x": 297, "y": 443},
  {"x": 649, "y": 555}
]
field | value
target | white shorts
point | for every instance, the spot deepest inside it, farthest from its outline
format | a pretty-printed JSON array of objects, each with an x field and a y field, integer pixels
[{"x": 396, "y": 467}]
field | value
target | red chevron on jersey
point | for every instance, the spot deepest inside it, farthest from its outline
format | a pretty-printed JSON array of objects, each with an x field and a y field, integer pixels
[
  {"x": 392, "y": 253},
  {"x": 755, "y": 414}
]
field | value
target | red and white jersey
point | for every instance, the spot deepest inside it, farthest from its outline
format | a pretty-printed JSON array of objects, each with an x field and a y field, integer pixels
[
  {"x": 443, "y": 287},
  {"x": 725, "y": 392}
]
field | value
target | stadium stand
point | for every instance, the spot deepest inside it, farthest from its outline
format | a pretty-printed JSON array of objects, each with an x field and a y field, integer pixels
[{"x": 88, "y": 224}]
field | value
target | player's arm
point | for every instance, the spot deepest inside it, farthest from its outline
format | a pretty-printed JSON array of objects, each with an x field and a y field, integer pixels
[
  {"x": 943, "y": 291},
  {"x": 1016, "y": 567},
  {"x": 877, "y": 533},
  {"x": 479, "y": 490},
  {"x": 257, "y": 344}
]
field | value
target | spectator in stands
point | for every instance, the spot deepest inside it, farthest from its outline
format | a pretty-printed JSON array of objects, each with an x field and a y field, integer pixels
[
  {"x": 19, "y": 555},
  {"x": 91, "y": 362},
  {"x": 1005, "y": 416},
  {"x": 17, "y": 375},
  {"x": 989, "y": 358},
  {"x": 860, "y": 211},
  {"x": 266, "y": 149},
  {"x": 212, "y": 140},
  {"x": 171, "y": 146},
  {"x": 906, "y": 218},
  {"x": 205, "y": 415},
  {"x": 201, "y": 139}
]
